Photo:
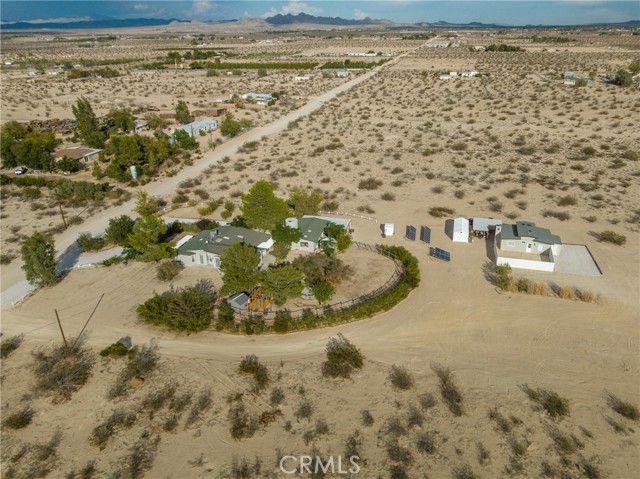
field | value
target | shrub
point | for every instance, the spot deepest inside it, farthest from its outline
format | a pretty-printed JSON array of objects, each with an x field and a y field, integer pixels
[
  {"x": 588, "y": 296},
  {"x": 398, "y": 453},
  {"x": 61, "y": 370},
  {"x": 567, "y": 200},
  {"x": 425, "y": 443},
  {"x": 154, "y": 400},
  {"x": 538, "y": 288},
  {"x": 142, "y": 360},
  {"x": 342, "y": 357},
  {"x": 388, "y": 196},
  {"x": 550, "y": 401},
  {"x": 89, "y": 243},
  {"x": 441, "y": 211},
  {"x": 449, "y": 390},
  {"x": 502, "y": 276},
  {"x": 304, "y": 410},
  {"x": 415, "y": 417},
  {"x": 242, "y": 425},
  {"x": 463, "y": 471},
  {"x": 400, "y": 378},
  {"x": 567, "y": 292},
  {"x": 203, "y": 403},
  {"x": 9, "y": 345},
  {"x": 276, "y": 397},
  {"x": 20, "y": 419},
  {"x": 251, "y": 365},
  {"x": 168, "y": 269},
  {"x": 370, "y": 184},
  {"x": 612, "y": 237},
  {"x": 115, "y": 350},
  {"x": 367, "y": 418},
  {"x": 118, "y": 419},
  {"x": 427, "y": 401},
  {"x": 560, "y": 215},
  {"x": 623, "y": 408}
]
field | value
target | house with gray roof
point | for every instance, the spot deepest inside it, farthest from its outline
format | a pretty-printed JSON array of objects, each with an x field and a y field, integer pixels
[
  {"x": 525, "y": 245},
  {"x": 195, "y": 128},
  {"x": 312, "y": 228},
  {"x": 207, "y": 247}
]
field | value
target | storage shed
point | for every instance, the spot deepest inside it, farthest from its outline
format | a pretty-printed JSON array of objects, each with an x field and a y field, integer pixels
[
  {"x": 388, "y": 229},
  {"x": 457, "y": 229}
]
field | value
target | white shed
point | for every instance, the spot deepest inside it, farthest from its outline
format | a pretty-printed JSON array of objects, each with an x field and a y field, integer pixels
[
  {"x": 388, "y": 229},
  {"x": 458, "y": 230}
]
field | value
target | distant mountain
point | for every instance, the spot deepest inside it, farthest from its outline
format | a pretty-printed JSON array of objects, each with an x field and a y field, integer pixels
[
  {"x": 289, "y": 19},
  {"x": 85, "y": 24}
]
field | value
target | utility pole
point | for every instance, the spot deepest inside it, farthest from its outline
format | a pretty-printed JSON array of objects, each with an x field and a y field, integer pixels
[
  {"x": 64, "y": 221},
  {"x": 61, "y": 331}
]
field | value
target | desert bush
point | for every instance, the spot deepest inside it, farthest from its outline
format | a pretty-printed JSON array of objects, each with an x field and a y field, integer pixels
[
  {"x": 463, "y": 471},
  {"x": 61, "y": 370},
  {"x": 139, "y": 459},
  {"x": 304, "y": 410},
  {"x": 141, "y": 361},
  {"x": 427, "y": 400},
  {"x": 276, "y": 397},
  {"x": 115, "y": 350},
  {"x": 612, "y": 237},
  {"x": 369, "y": 184},
  {"x": 9, "y": 345},
  {"x": 342, "y": 358},
  {"x": 625, "y": 409},
  {"x": 504, "y": 425},
  {"x": 425, "y": 443},
  {"x": 550, "y": 401},
  {"x": 484, "y": 456},
  {"x": 451, "y": 395},
  {"x": 400, "y": 378},
  {"x": 388, "y": 196},
  {"x": 168, "y": 269},
  {"x": 538, "y": 288},
  {"x": 588, "y": 296},
  {"x": 414, "y": 417},
  {"x": 567, "y": 292},
  {"x": 154, "y": 400},
  {"x": 203, "y": 403},
  {"x": 398, "y": 453},
  {"x": 566, "y": 443},
  {"x": 560, "y": 215},
  {"x": 250, "y": 365},
  {"x": 242, "y": 425},
  {"x": 352, "y": 445},
  {"x": 567, "y": 200},
  {"x": 19, "y": 420},
  {"x": 502, "y": 276},
  {"x": 103, "y": 432},
  {"x": 367, "y": 418},
  {"x": 441, "y": 211}
]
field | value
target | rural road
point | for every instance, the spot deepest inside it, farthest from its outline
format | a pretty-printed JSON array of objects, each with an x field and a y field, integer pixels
[{"x": 13, "y": 284}]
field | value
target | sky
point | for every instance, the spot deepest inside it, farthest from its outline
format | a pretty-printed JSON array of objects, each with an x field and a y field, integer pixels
[{"x": 506, "y": 12}]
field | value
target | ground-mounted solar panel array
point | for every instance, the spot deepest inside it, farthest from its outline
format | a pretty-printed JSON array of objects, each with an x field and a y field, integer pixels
[
  {"x": 425, "y": 234},
  {"x": 411, "y": 233},
  {"x": 440, "y": 254}
]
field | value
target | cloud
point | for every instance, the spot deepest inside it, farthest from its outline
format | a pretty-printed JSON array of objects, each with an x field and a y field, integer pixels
[
  {"x": 58, "y": 20},
  {"x": 203, "y": 6},
  {"x": 359, "y": 14},
  {"x": 293, "y": 8}
]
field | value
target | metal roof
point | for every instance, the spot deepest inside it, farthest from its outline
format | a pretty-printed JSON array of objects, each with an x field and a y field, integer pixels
[
  {"x": 218, "y": 240},
  {"x": 526, "y": 229},
  {"x": 483, "y": 224}
]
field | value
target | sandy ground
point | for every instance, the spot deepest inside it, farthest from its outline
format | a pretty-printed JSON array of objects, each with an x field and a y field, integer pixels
[{"x": 406, "y": 128}]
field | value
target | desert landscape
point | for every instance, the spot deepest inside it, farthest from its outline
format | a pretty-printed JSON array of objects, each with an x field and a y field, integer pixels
[{"x": 464, "y": 377}]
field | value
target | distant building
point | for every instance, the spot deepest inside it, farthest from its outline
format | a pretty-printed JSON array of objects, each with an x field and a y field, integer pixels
[
  {"x": 342, "y": 73},
  {"x": 312, "y": 228},
  {"x": 259, "y": 98},
  {"x": 527, "y": 246},
  {"x": 302, "y": 78},
  {"x": 194, "y": 128},
  {"x": 77, "y": 153},
  {"x": 438, "y": 45},
  {"x": 469, "y": 73},
  {"x": 361, "y": 54},
  {"x": 479, "y": 48}
]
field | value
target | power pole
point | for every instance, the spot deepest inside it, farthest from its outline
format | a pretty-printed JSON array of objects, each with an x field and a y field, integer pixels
[
  {"x": 61, "y": 331},
  {"x": 64, "y": 221}
]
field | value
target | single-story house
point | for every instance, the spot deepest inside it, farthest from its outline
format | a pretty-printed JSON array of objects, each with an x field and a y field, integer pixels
[
  {"x": 342, "y": 73},
  {"x": 207, "y": 247},
  {"x": 77, "y": 153},
  {"x": 361, "y": 54},
  {"x": 312, "y": 228},
  {"x": 453, "y": 74},
  {"x": 469, "y": 73},
  {"x": 302, "y": 78},
  {"x": 195, "y": 127},
  {"x": 219, "y": 111},
  {"x": 445, "y": 77},
  {"x": 140, "y": 125},
  {"x": 260, "y": 98},
  {"x": 457, "y": 229},
  {"x": 526, "y": 237},
  {"x": 438, "y": 45},
  {"x": 479, "y": 48}
]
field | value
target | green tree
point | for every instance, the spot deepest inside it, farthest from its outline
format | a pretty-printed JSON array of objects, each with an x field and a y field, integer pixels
[
  {"x": 183, "y": 116},
  {"x": 282, "y": 283},
  {"x": 283, "y": 236},
  {"x": 122, "y": 119},
  {"x": 144, "y": 240},
  {"x": 623, "y": 78},
  {"x": 231, "y": 127},
  {"x": 68, "y": 165},
  {"x": 154, "y": 122},
  {"x": 119, "y": 230},
  {"x": 261, "y": 208},
  {"x": 305, "y": 202},
  {"x": 323, "y": 291},
  {"x": 34, "y": 150},
  {"x": 634, "y": 68},
  {"x": 239, "y": 265},
  {"x": 39, "y": 259},
  {"x": 145, "y": 205},
  {"x": 10, "y": 134},
  {"x": 87, "y": 124},
  {"x": 185, "y": 140},
  {"x": 337, "y": 232}
]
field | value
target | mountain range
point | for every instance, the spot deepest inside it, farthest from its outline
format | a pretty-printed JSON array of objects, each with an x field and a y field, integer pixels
[{"x": 279, "y": 20}]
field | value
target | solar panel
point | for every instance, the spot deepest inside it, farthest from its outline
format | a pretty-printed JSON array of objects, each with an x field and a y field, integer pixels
[
  {"x": 411, "y": 233},
  {"x": 440, "y": 254},
  {"x": 425, "y": 234}
]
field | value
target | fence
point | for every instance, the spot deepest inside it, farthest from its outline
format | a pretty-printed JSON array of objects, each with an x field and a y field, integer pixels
[
  {"x": 390, "y": 284},
  {"x": 21, "y": 299},
  {"x": 355, "y": 215}
]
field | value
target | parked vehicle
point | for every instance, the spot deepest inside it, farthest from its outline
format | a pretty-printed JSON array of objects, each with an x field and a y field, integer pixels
[{"x": 20, "y": 170}]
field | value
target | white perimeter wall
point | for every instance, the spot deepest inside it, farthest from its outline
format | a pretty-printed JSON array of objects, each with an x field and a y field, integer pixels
[{"x": 527, "y": 264}]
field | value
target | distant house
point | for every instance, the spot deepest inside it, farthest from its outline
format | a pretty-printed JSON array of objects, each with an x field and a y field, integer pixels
[
  {"x": 218, "y": 111},
  {"x": 259, "y": 98},
  {"x": 302, "y": 78},
  {"x": 438, "y": 45},
  {"x": 479, "y": 48},
  {"x": 483, "y": 226},
  {"x": 342, "y": 73},
  {"x": 445, "y": 77},
  {"x": 312, "y": 228},
  {"x": 140, "y": 125},
  {"x": 239, "y": 303},
  {"x": 194, "y": 128},
  {"x": 207, "y": 247},
  {"x": 525, "y": 245},
  {"x": 453, "y": 74},
  {"x": 79, "y": 153},
  {"x": 361, "y": 54},
  {"x": 469, "y": 73}
]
